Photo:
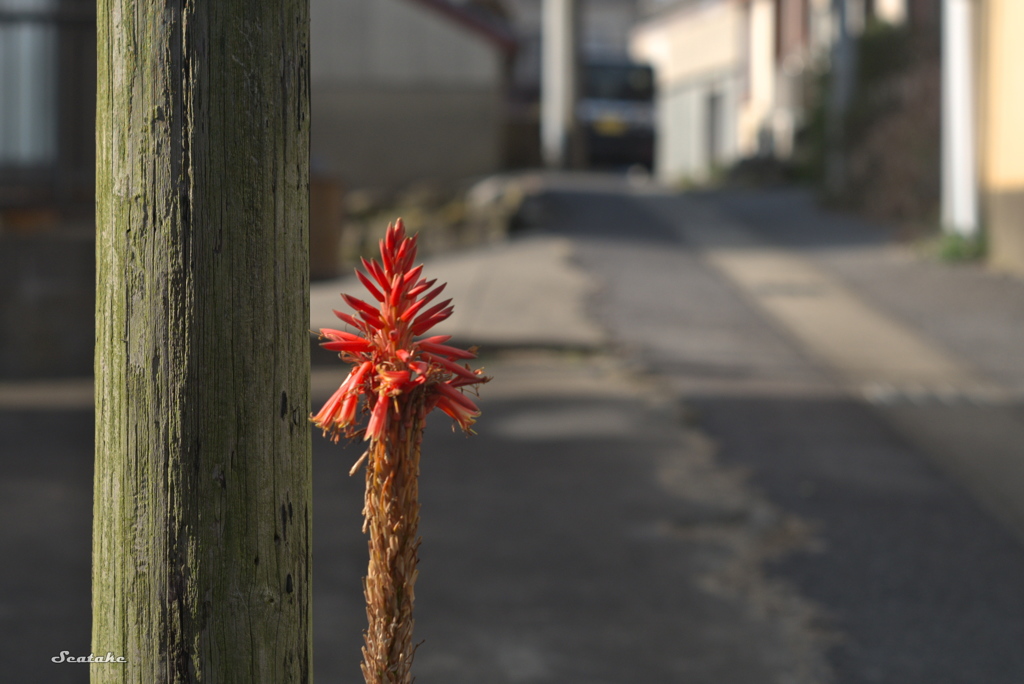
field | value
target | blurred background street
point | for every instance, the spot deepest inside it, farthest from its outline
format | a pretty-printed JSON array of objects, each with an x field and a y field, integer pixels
[{"x": 748, "y": 275}]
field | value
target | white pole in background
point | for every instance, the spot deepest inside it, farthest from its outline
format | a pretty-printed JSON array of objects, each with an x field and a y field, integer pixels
[
  {"x": 843, "y": 62},
  {"x": 959, "y": 182},
  {"x": 557, "y": 82}
]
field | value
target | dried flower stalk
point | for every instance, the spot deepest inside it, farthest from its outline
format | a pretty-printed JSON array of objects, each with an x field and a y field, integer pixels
[{"x": 397, "y": 380}]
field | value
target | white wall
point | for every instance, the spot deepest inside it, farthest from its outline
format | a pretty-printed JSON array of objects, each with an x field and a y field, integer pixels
[
  {"x": 696, "y": 51},
  {"x": 756, "y": 114},
  {"x": 683, "y": 127}
]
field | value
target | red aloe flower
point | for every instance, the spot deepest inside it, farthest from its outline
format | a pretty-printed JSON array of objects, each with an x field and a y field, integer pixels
[
  {"x": 388, "y": 360},
  {"x": 398, "y": 379}
]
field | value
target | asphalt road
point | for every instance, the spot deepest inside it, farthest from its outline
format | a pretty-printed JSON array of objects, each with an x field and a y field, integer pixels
[
  {"x": 708, "y": 497},
  {"x": 910, "y": 572}
]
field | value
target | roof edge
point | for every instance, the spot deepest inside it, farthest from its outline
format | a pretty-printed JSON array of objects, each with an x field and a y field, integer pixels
[{"x": 503, "y": 39}]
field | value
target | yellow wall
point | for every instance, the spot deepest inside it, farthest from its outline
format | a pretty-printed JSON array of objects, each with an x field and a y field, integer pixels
[
  {"x": 891, "y": 11},
  {"x": 1003, "y": 127},
  {"x": 757, "y": 110},
  {"x": 1001, "y": 131},
  {"x": 693, "y": 42}
]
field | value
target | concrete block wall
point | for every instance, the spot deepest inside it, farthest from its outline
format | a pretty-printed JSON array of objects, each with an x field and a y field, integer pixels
[
  {"x": 47, "y": 303},
  {"x": 387, "y": 136}
]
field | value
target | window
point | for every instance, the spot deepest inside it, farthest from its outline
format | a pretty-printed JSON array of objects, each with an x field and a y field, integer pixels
[
  {"x": 28, "y": 84},
  {"x": 47, "y": 104}
]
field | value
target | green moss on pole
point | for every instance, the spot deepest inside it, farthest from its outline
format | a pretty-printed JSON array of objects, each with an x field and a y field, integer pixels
[{"x": 202, "y": 514}]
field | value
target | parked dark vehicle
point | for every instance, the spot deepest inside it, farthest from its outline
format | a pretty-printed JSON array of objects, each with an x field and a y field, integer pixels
[{"x": 616, "y": 113}]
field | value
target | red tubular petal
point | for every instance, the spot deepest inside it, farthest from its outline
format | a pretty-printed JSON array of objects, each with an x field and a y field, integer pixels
[
  {"x": 396, "y": 233},
  {"x": 412, "y": 275},
  {"x": 347, "y": 412},
  {"x": 396, "y": 379},
  {"x": 456, "y": 396},
  {"x": 377, "y": 424},
  {"x": 453, "y": 411},
  {"x": 436, "y": 339},
  {"x": 410, "y": 257},
  {"x": 368, "y": 284},
  {"x": 367, "y": 312},
  {"x": 349, "y": 319},
  {"x": 400, "y": 255},
  {"x": 451, "y": 366},
  {"x": 395, "y": 295},
  {"x": 355, "y": 378},
  {"x": 385, "y": 257},
  {"x": 367, "y": 325},
  {"x": 463, "y": 417},
  {"x": 346, "y": 346},
  {"x": 333, "y": 334},
  {"x": 412, "y": 310},
  {"x": 326, "y": 414},
  {"x": 359, "y": 305},
  {"x": 372, "y": 320},
  {"x": 461, "y": 371},
  {"x": 389, "y": 237},
  {"x": 406, "y": 255},
  {"x": 423, "y": 324},
  {"x": 433, "y": 293},
  {"x": 422, "y": 287},
  {"x": 374, "y": 269},
  {"x": 433, "y": 310},
  {"x": 445, "y": 350}
]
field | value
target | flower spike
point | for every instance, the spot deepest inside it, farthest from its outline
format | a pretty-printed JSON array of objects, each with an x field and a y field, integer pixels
[
  {"x": 396, "y": 379},
  {"x": 390, "y": 361}
]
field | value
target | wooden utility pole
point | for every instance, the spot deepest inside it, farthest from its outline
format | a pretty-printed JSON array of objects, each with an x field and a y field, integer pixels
[{"x": 201, "y": 548}]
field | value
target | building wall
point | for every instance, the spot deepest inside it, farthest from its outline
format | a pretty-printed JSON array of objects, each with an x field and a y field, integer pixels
[
  {"x": 820, "y": 27},
  {"x": 381, "y": 136},
  {"x": 604, "y": 27},
  {"x": 891, "y": 11},
  {"x": 1002, "y": 136},
  {"x": 756, "y": 117},
  {"x": 697, "y": 54},
  {"x": 691, "y": 145},
  {"x": 400, "y": 92},
  {"x": 47, "y": 109},
  {"x": 47, "y": 303},
  {"x": 603, "y": 24}
]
